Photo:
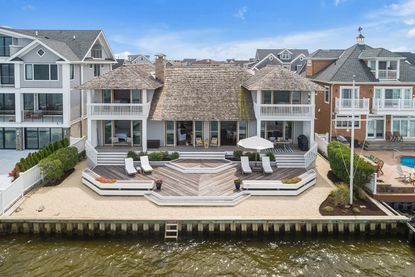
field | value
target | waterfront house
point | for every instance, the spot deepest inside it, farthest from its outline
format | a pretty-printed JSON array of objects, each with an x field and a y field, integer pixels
[
  {"x": 384, "y": 94},
  {"x": 191, "y": 108},
  {"x": 39, "y": 70},
  {"x": 291, "y": 59}
]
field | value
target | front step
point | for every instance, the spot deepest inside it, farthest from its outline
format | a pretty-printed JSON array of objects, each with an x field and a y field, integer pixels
[
  {"x": 171, "y": 231},
  {"x": 111, "y": 158},
  {"x": 202, "y": 155},
  {"x": 290, "y": 161}
]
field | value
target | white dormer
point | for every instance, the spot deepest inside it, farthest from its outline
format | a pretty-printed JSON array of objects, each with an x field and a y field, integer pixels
[{"x": 285, "y": 55}]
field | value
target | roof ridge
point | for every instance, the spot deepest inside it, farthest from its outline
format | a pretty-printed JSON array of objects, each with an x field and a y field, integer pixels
[{"x": 138, "y": 75}]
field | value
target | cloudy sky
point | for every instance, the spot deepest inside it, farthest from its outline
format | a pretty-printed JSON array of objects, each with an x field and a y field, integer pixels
[{"x": 222, "y": 29}]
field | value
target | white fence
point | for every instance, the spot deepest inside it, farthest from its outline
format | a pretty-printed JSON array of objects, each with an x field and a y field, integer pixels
[
  {"x": 12, "y": 192},
  {"x": 310, "y": 156},
  {"x": 322, "y": 141},
  {"x": 91, "y": 154},
  {"x": 372, "y": 185}
]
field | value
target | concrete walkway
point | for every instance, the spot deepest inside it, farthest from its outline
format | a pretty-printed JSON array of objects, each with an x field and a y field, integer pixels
[{"x": 72, "y": 200}]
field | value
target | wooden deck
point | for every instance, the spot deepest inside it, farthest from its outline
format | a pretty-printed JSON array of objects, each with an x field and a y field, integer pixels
[
  {"x": 200, "y": 163},
  {"x": 181, "y": 184}
]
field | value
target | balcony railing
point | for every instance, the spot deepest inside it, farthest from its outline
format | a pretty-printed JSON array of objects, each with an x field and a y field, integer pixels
[
  {"x": 394, "y": 105},
  {"x": 386, "y": 74},
  {"x": 8, "y": 116},
  {"x": 346, "y": 105},
  {"x": 117, "y": 109},
  {"x": 284, "y": 110},
  {"x": 47, "y": 116}
]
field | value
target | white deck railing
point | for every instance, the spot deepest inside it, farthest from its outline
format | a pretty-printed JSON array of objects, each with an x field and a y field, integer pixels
[
  {"x": 407, "y": 105},
  {"x": 310, "y": 156},
  {"x": 346, "y": 105},
  {"x": 387, "y": 74},
  {"x": 11, "y": 193},
  {"x": 285, "y": 110},
  {"x": 322, "y": 141},
  {"x": 117, "y": 109},
  {"x": 91, "y": 154}
]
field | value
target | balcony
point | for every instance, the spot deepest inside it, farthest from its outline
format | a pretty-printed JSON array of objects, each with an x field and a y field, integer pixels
[
  {"x": 44, "y": 116},
  {"x": 345, "y": 106},
  {"x": 386, "y": 74},
  {"x": 284, "y": 111},
  {"x": 7, "y": 116},
  {"x": 394, "y": 106},
  {"x": 117, "y": 110}
]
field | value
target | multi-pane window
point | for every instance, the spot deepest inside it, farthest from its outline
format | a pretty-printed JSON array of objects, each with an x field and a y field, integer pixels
[
  {"x": 96, "y": 52},
  {"x": 72, "y": 71},
  {"x": 41, "y": 72},
  {"x": 285, "y": 56},
  {"x": 327, "y": 94},
  {"x": 40, "y": 137},
  {"x": 7, "y": 104},
  {"x": 344, "y": 122},
  {"x": 7, "y": 74},
  {"x": 5, "y": 43},
  {"x": 169, "y": 132},
  {"x": 97, "y": 70}
]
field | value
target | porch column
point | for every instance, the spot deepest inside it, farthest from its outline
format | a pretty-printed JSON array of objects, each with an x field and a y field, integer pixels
[
  {"x": 258, "y": 112},
  {"x": 258, "y": 127},
  {"x": 66, "y": 96},
  {"x": 17, "y": 96},
  {"x": 144, "y": 134},
  {"x": 313, "y": 116}
]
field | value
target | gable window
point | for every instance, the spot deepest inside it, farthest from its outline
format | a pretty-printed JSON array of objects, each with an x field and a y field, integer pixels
[
  {"x": 7, "y": 74},
  {"x": 345, "y": 121},
  {"x": 96, "y": 52},
  {"x": 326, "y": 94},
  {"x": 40, "y": 52},
  {"x": 97, "y": 70},
  {"x": 285, "y": 56},
  {"x": 72, "y": 71},
  {"x": 5, "y": 43},
  {"x": 41, "y": 72}
]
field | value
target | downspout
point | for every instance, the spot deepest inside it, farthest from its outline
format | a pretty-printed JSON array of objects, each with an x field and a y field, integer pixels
[{"x": 331, "y": 112}]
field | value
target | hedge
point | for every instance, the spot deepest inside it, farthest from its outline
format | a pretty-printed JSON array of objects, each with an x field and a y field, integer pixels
[
  {"x": 34, "y": 158},
  {"x": 55, "y": 166},
  {"x": 339, "y": 158}
]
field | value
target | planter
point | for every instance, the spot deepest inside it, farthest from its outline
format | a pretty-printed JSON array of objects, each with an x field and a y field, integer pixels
[
  {"x": 158, "y": 184},
  {"x": 237, "y": 183}
]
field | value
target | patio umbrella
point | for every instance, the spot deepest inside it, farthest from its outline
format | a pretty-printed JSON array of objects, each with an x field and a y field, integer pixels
[{"x": 256, "y": 143}]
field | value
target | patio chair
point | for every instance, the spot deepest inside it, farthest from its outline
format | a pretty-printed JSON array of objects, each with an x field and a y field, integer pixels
[
  {"x": 199, "y": 141},
  {"x": 129, "y": 166},
  {"x": 246, "y": 168},
  {"x": 214, "y": 141},
  {"x": 379, "y": 166},
  {"x": 404, "y": 176},
  {"x": 145, "y": 164},
  {"x": 266, "y": 165}
]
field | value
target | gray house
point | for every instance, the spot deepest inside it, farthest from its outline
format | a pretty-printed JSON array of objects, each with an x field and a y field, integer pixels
[
  {"x": 39, "y": 70},
  {"x": 292, "y": 59}
]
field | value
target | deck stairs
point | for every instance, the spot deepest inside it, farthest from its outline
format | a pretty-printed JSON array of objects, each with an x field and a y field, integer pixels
[
  {"x": 373, "y": 145},
  {"x": 202, "y": 155},
  {"x": 289, "y": 161},
  {"x": 171, "y": 231},
  {"x": 111, "y": 158}
]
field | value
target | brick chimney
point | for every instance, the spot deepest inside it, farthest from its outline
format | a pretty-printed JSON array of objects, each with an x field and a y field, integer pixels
[{"x": 160, "y": 65}]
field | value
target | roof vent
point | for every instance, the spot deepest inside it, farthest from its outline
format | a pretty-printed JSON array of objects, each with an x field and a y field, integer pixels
[
  {"x": 74, "y": 37},
  {"x": 360, "y": 39},
  {"x": 36, "y": 33}
]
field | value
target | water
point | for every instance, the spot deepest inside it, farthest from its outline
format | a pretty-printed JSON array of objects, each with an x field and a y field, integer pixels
[
  {"x": 408, "y": 161},
  {"x": 34, "y": 256}
]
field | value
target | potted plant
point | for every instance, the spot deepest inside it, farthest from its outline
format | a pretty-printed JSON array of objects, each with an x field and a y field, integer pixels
[
  {"x": 159, "y": 182},
  {"x": 237, "y": 183}
]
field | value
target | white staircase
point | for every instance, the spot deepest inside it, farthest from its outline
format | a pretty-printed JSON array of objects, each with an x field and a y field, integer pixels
[
  {"x": 111, "y": 158},
  {"x": 202, "y": 155},
  {"x": 171, "y": 231},
  {"x": 290, "y": 161}
]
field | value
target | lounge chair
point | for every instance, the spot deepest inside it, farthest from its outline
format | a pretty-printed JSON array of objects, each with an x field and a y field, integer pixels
[
  {"x": 145, "y": 164},
  {"x": 266, "y": 165},
  {"x": 199, "y": 141},
  {"x": 214, "y": 142},
  {"x": 246, "y": 168},
  {"x": 129, "y": 166},
  {"x": 405, "y": 176}
]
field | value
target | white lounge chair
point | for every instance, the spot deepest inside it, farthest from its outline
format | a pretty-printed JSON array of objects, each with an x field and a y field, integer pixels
[
  {"x": 404, "y": 176},
  {"x": 266, "y": 165},
  {"x": 145, "y": 164},
  {"x": 129, "y": 166},
  {"x": 245, "y": 165}
]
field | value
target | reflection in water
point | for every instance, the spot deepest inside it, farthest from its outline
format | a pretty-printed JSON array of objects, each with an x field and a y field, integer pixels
[{"x": 34, "y": 256}]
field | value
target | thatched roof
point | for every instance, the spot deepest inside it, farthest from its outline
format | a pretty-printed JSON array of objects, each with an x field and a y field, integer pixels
[
  {"x": 131, "y": 76},
  {"x": 203, "y": 93},
  {"x": 278, "y": 78}
]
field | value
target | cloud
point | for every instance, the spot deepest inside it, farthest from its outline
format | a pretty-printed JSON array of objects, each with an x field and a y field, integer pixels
[
  {"x": 241, "y": 13},
  {"x": 28, "y": 7},
  {"x": 411, "y": 33},
  {"x": 122, "y": 55},
  {"x": 338, "y": 2},
  {"x": 409, "y": 21}
]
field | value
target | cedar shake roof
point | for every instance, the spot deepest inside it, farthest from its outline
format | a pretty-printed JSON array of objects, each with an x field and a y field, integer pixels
[
  {"x": 203, "y": 93},
  {"x": 131, "y": 76},
  {"x": 279, "y": 78}
]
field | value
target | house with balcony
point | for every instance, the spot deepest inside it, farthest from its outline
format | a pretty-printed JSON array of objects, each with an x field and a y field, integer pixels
[
  {"x": 196, "y": 108},
  {"x": 39, "y": 70},
  {"x": 382, "y": 98}
]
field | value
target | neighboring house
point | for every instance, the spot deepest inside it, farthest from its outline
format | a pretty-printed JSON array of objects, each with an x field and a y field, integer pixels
[
  {"x": 292, "y": 59},
  {"x": 39, "y": 70},
  {"x": 120, "y": 62},
  {"x": 184, "y": 106},
  {"x": 138, "y": 59},
  {"x": 384, "y": 93}
]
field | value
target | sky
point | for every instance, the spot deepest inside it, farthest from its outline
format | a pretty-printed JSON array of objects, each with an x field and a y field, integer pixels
[{"x": 221, "y": 29}]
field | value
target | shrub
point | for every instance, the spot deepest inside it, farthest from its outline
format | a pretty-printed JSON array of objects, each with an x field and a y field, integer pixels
[
  {"x": 237, "y": 154},
  {"x": 52, "y": 170},
  {"x": 132, "y": 154},
  {"x": 328, "y": 209},
  {"x": 339, "y": 158},
  {"x": 155, "y": 156},
  {"x": 271, "y": 156},
  {"x": 293, "y": 180},
  {"x": 340, "y": 195},
  {"x": 68, "y": 156},
  {"x": 141, "y": 154},
  {"x": 356, "y": 210},
  {"x": 82, "y": 155},
  {"x": 253, "y": 156},
  {"x": 174, "y": 155}
]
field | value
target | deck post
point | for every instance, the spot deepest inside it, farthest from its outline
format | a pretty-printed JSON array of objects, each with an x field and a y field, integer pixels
[
  {"x": 362, "y": 227},
  {"x": 36, "y": 228},
  {"x": 69, "y": 228},
  {"x": 58, "y": 228},
  {"x": 265, "y": 227},
  {"x": 222, "y": 227},
  {"x": 255, "y": 227},
  {"x": 351, "y": 227},
  {"x": 319, "y": 228},
  {"x": 102, "y": 228},
  {"x": 330, "y": 228},
  {"x": 200, "y": 228},
  {"x": 340, "y": 227},
  {"x": 233, "y": 227},
  {"x": 156, "y": 227},
  {"x": 80, "y": 229},
  {"x": 287, "y": 228},
  {"x": 26, "y": 228},
  {"x": 243, "y": 227},
  {"x": 309, "y": 227}
]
